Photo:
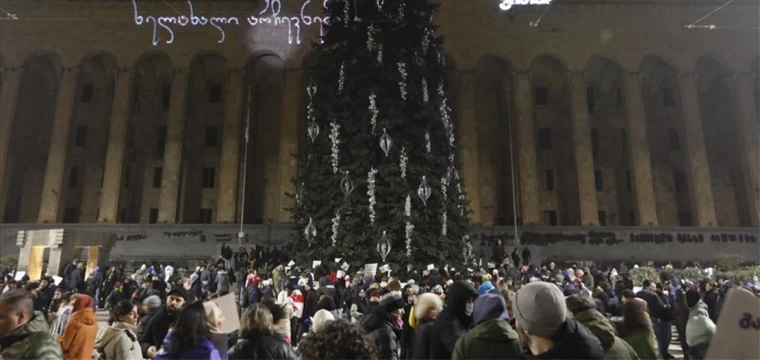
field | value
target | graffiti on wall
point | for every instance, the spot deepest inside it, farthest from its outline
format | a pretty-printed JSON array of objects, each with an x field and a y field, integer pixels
[{"x": 598, "y": 238}]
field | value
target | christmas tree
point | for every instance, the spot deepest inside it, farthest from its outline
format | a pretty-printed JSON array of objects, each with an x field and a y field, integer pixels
[{"x": 378, "y": 179}]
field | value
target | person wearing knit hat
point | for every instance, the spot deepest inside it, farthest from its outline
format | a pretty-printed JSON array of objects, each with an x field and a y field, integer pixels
[
  {"x": 385, "y": 324},
  {"x": 543, "y": 326},
  {"x": 493, "y": 336}
]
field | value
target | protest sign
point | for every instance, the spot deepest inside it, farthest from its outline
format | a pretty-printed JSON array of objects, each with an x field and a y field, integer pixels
[
  {"x": 431, "y": 266},
  {"x": 57, "y": 280},
  {"x": 345, "y": 266},
  {"x": 316, "y": 263},
  {"x": 739, "y": 322},
  {"x": 385, "y": 268},
  {"x": 291, "y": 263},
  {"x": 19, "y": 275},
  {"x": 491, "y": 265},
  {"x": 337, "y": 260},
  {"x": 230, "y": 311},
  {"x": 370, "y": 269}
]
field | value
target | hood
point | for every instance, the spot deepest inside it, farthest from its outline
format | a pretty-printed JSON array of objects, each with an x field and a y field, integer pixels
[
  {"x": 113, "y": 332},
  {"x": 85, "y": 316},
  {"x": 456, "y": 301},
  {"x": 36, "y": 324},
  {"x": 83, "y": 301},
  {"x": 700, "y": 309},
  {"x": 222, "y": 271},
  {"x": 599, "y": 326},
  {"x": 485, "y": 287},
  {"x": 378, "y": 319},
  {"x": 495, "y": 331},
  {"x": 573, "y": 341}
]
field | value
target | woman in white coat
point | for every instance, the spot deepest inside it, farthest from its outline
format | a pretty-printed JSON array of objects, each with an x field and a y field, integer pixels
[{"x": 119, "y": 340}]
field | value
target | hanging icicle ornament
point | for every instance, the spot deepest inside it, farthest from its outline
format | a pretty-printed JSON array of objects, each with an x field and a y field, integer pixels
[
  {"x": 371, "y": 37},
  {"x": 346, "y": 12},
  {"x": 380, "y": 54},
  {"x": 342, "y": 77},
  {"x": 346, "y": 184},
  {"x": 386, "y": 143},
  {"x": 371, "y": 194},
  {"x": 300, "y": 195},
  {"x": 408, "y": 206},
  {"x": 408, "y": 229},
  {"x": 425, "y": 95},
  {"x": 401, "y": 10},
  {"x": 402, "y": 83},
  {"x": 373, "y": 109},
  {"x": 380, "y": 4},
  {"x": 444, "y": 188},
  {"x": 403, "y": 159},
  {"x": 444, "y": 223},
  {"x": 334, "y": 133},
  {"x": 312, "y": 89},
  {"x": 428, "y": 146},
  {"x": 310, "y": 232},
  {"x": 313, "y": 129},
  {"x": 335, "y": 225},
  {"x": 384, "y": 246},
  {"x": 467, "y": 249},
  {"x": 424, "y": 191}
]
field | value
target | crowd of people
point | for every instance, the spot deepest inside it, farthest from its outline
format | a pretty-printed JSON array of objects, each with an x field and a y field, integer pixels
[{"x": 289, "y": 311}]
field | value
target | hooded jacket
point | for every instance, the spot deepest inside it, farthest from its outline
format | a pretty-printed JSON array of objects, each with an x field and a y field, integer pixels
[
  {"x": 699, "y": 328},
  {"x": 30, "y": 341},
  {"x": 382, "y": 328},
  {"x": 262, "y": 347},
  {"x": 79, "y": 335},
  {"x": 493, "y": 339},
  {"x": 118, "y": 342},
  {"x": 140, "y": 274},
  {"x": 573, "y": 341},
  {"x": 614, "y": 347},
  {"x": 452, "y": 323}
]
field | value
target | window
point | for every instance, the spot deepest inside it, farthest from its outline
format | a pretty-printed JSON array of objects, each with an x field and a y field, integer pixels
[
  {"x": 550, "y": 217},
  {"x": 86, "y": 95},
  {"x": 679, "y": 180},
  {"x": 548, "y": 177},
  {"x": 161, "y": 146},
  {"x": 127, "y": 172},
  {"x": 166, "y": 95},
  {"x": 80, "y": 138},
  {"x": 209, "y": 177},
  {"x": 631, "y": 217},
  {"x": 595, "y": 143},
  {"x": 623, "y": 140},
  {"x": 544, "y": 139},
  {"x": 590, "y": 101},
  {"x": 684, "y": 218},
  {"x": 70, "y": 216},
  {"x": 619, "y": 95},
  {"x": 628, "y": 182},
  {"x": 542, "y": 96},
  {"x": 602, "y": 217},
  {"x": 674, "y": 141},
  {"x": 153, "y": 216},
  {"x": 598, "y": 180},
  {"x": 205, "y": 216},
  {"x": 215, "y": 94},
  {"x": 667, "y": 97},
  {"x": 212, "y": 136},
  {"x": 73, "y": 177},
  {"x": 158, "y": 174}
]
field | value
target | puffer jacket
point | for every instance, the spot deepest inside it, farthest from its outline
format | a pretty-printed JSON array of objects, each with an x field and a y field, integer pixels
[
  {"x": 614, "y": 347},
  {"x": 699, "y": 328},
  {"x": 262, "y": 347},
  {"x": 118, "y": 342},
  {"x": 492, "y": 339},
  {"x": 30, "y": 341}
]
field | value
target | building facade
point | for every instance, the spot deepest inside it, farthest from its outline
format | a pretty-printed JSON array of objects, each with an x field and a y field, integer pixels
[{"x": 605, "y": 114}]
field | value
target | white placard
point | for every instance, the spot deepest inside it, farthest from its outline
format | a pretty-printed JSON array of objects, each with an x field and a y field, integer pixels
[
  {"x": 316, "y": 263},
  {"x": 491, "y": 265},
  {"x": 370, "y": 269},
  {"x": 291, "y": 263},
  {"x": 230, "y": 311},
  {"x": 19, "y": 275},
  {"x": 57, "y": 279},
  {"x": 345, "y": 266},
  {"x": 508, "y": 4},
  {"x": 337, "y": 260},
  {"x": 385, "y": 268},
  {"x": 431, "y": 266},
  {"x": 739, "y": 321}
]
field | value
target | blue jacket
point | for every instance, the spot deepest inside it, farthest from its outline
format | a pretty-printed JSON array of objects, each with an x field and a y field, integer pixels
[
  {"x": 204, "y": 350},
  {"x": 485, "y": 287}
]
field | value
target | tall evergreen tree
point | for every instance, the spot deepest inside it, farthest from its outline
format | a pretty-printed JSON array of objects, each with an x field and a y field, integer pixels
[{"x": 379, "y": 173}]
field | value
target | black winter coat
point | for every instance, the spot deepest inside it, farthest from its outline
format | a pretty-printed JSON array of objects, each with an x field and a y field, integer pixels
[
  {"x": 382, "y": 328},
  {"x": 422, "y": 340},
  {"x": 452, "y": 323},
  {"x": 262, "y": 347},
  {"x": 156, "y": 330},
  {"x": 573, "y": 341}
]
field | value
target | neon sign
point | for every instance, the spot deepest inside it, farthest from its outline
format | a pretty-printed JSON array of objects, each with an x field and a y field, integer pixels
[
  {"x": 508, "y": 4},
  {"x": 270, "y": 16}
]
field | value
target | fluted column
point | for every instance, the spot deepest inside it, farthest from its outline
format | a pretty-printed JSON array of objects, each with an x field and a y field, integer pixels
[
  {"x": 748, "y": 137},
  {"x": 175, "y": 127},
  {"x": 8, "y": 96},
  {"x": 700, "y": 186},
  {"x": 59, "y": 147},
  {"x": 584, "y": 160},
  {"x": 113, "y": 175},
  {"x": 526, "y": 150},
  {"x": 291, "y": 92},
  {"x": 228, "y": 177},
  {"x": 468, "y": 132},
  {"x": 641, "y": 165}
]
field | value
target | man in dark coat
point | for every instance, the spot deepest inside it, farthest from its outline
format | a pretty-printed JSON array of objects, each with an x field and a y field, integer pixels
[
  {"x": 158, "y": 326},
  {"x": 384, "y": 326},
  {"x": 67, "y": 270},
  {"x": 526, "y": 256},
  {"x": 515, "y": 258},
  {"x": 76, "y": 276},
  {"x": 453, "y": 322}
]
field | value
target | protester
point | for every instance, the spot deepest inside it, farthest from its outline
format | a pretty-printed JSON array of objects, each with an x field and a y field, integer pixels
[
  {"x": 222, "y": 282},
  {"x": 76, "y": 275},
  {"x": 427, "y": 309},
  {"x": 492, "y": 337},
  {"x": 384, "y": 326},
  {"x": 119, "y": 341},
  {"x": 544, "y": 328},
  {"x": 699, "y": 327},
  {"x": 24, "y": 333},
  {"x": 78, "y": 338},
  {"x": 190, "y": 338},
  {"x": 215, "y": 322},
  {"x": 158, "y": 327},
  {"x": 637, "y": 329},
  {"x": 339, "y": 340},
  {"x": 280, "y": 319},
  {"x": 257, "y": 338},
  {"x": 582, "y": 309},
  {"x": 453, "y": 322},
  {"x": 63, "y": 314},
  {"x": 148, "y": 308},
  {"x": 358, "y": 306}
]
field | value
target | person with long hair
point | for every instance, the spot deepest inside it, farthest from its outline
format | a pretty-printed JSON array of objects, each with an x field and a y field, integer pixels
[
  {"x": 63, "y": 314},
  {"x": 119, "y": 341},
  {"x": 78, "y": 338},
  {"x": 358, "y": 306},
  {"x": 215, "y": 321},
  {"x": 190, "y": 338},
  {"x": 258, "y": 339},
  {"x": 637, "y": 329},
  {"x": 427, "y": 309}
]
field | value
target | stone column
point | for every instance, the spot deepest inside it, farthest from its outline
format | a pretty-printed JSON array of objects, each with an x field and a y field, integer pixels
[
  {"x": 291, "y": 91},
  {"x": 113, "y": 174},
  {"x": 641, "y": 165},
  {"x": 8, "y": 96},
  {"x": 468, "y": 133},
  {"x": 175, "y": 127},
  {"x": 748, "y": 137},
  {"x": 59, "y": 147},
  {"x": 228, "y": 177},
  {"x": 698, "y": 174},
  {"x": 526, "y": 150},
  {"x": 584, "y": 160}
]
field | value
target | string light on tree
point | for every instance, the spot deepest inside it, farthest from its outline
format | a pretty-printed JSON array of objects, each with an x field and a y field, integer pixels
[
  {"x": 334, "y": 133},
  {"x": 373, "y": 109},
  {"x": 335, "y": 226},
  {"x": 371, "y": 193},
  {"x": 342, "y": 78},
  {"x": 403, "y": 159},
  {"x": 402, "y": 83}
]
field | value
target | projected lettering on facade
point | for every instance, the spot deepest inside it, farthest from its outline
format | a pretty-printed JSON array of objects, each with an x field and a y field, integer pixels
[
  {"x": 508, "y": 4},
  {"x": 269, "y": 16}
]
